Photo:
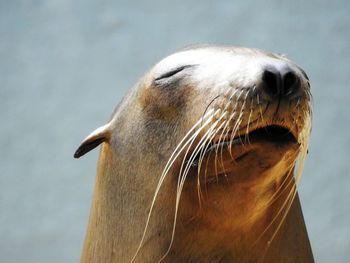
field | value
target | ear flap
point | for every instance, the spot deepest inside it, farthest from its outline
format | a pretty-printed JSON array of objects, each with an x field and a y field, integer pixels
[{"x": 97, "y": 137}]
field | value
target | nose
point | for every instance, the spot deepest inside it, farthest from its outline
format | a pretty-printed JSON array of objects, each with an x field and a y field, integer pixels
[{"x": 280, "y": 83}]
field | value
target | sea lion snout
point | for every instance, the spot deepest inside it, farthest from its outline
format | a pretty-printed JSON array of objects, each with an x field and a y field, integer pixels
[{"x": 280, "y": 82}]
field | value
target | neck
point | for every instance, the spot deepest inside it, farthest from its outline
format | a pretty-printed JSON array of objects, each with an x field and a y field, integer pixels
[
  {"x": 119, "y": 212},
  {"x": 197, "y": 240}
]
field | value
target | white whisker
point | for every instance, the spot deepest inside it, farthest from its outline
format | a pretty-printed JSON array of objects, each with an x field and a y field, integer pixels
[{"x": 180, "y": 147}]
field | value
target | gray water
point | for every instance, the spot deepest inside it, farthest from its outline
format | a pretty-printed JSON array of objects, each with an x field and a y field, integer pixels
[{"x": 65, "y": 64}]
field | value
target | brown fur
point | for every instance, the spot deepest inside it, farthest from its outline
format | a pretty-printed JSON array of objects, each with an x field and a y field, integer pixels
[{"x": 233, "y": 219}]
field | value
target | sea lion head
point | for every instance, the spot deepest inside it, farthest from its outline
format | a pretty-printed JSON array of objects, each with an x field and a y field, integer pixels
[{"x": 209, "y": 137}]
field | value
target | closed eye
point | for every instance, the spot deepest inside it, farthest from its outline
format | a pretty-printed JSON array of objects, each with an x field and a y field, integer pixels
[{"x": 172, "y": 72}]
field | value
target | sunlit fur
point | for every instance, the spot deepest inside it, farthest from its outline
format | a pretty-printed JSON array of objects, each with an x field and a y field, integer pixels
[
  {"x": 236, "y": 117},
  {"x": 170, "y": 183}
]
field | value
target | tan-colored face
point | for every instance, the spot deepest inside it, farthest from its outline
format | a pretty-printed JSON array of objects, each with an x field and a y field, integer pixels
[
  {"x": 209, "y": 138},
  {"x": 250, "y": 112}
]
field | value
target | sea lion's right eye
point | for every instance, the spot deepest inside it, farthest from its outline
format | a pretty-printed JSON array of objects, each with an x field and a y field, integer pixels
[{"x": 172, "y": 72}]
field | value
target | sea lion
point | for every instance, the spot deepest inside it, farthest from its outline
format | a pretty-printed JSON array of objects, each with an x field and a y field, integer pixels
[{"x": 197, "y": 162}]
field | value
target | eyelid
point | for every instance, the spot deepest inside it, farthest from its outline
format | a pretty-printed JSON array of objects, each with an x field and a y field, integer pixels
[{"x": 172, "y": 72}]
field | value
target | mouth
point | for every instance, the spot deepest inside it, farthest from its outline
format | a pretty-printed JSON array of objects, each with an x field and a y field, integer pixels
[
  {"x": 275, "y": 136},
  {"x": 272, "y": 133}
]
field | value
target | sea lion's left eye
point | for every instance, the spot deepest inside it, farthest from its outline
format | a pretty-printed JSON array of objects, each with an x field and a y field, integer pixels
[{"x": 172, "y": 72}]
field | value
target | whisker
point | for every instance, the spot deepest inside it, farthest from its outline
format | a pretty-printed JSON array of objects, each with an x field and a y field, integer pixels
[
  {"x": 249, "y": 118},
  {"x": 206, "y": 109},
  {"x": 231, "y": 118},
  {"x": 293, "y": 191},
  {"x": 238, "y": 122},
  {"x": 182, "y": 177},
  {"x": 180, "y": 147}
]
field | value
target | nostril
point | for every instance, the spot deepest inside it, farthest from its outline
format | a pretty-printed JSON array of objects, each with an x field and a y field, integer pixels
[
  {"x": 279, "y": 82},
  {"x": 272, "y": 82},
  {"x": 291, "y": 83}
]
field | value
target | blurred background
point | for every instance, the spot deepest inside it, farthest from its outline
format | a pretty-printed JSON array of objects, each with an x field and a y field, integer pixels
[{"x": 64, "y": 65}]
